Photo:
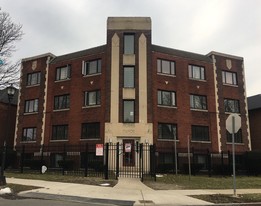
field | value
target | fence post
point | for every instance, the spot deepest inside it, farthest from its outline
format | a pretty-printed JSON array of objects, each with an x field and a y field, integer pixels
[
  {"x": 22, "y": 159},
  {"x": 64, "y": 158},
  {"x": 141, "y": 160},
  {"x": 106, "y": 168},
  {"x": 42, "y": 152},
  {"x": 222, "y": 162},
  {"x": 117, "y": 160},
  {"x": 209, "y": 162},
  {"x": 86, "y": 161},
  {"x": 153, "y": 157}
]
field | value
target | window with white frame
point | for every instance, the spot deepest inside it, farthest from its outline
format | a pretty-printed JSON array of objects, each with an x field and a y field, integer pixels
[
  {"x": 62, "y": 102},
  {"x": 167, "y": 131},
  {"x": 229, "y": 78},
  {"x": 92, "y": 98},
  {"x": 31, "y": 106},
  {"x": 166, "y": 67},
  {"x": 231, "y": 105},
  {"x": 200, "y": 133},
  {"x": 167, "y": 98},
  {"x": 33, "y": 78},
  {"x": 196, "y": 72},
  {"x": 63, "y": 73},
  {"x": 198, "y": 102},
  {"x": 91, "y": 67},
  {"x": 29, "y": 134}
]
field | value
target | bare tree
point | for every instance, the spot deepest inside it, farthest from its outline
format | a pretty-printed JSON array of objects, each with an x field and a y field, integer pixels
[{"x": 10, "y": 33}]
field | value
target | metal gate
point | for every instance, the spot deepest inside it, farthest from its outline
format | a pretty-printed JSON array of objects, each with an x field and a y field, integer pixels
[{"x": 129, "y": 159}]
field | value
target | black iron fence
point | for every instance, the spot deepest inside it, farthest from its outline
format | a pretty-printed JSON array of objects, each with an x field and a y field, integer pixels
[{"x": 113, "y": 160}]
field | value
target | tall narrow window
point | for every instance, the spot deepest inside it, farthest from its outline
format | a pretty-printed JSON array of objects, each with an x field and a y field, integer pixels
[
  {"x": 198, "y": 102},
  {"x": 128, "y": 80},
  {"x": 33, "y": 78},
  {"x": 62, "y": 102},
  {"x": 31, "y": 106},
  {"x": 166, "y": 98},
  {"x": 196, "y": 72},
  {"x": 92, "y": 98},
  {"x": 129, "y": 44},
  {"x": 128, "y": 111},
  {"x": 229, "y": 78}
]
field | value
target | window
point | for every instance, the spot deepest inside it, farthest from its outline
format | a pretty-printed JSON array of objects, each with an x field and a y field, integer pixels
[
  {"x": 62, "y": 102},
  {"x": 198, "y": 102},
  {"x": 33, "y": 78},
  {"x": 229, "y": 78},
  {"x": 92, "y": 98},
  {"x": 237, "y": 137},
  {"x": 31, "y": 106},
  {"x": 166, "y": 67},
  {"x": 60, "y": 132},
  {"x": 90, "y": 131},
  {"x": 29, "y": 134},
  {"x": 91, "y": 67},
  {"x": 200, "y": 133},
  {"x": 196, "y": 72},
  {"x": 128, "y": 73},
  {"x": 129, "y": 44},
  {"x": 166, "y": 98},
  {"x": 167, "y": 131},
  {"x": 128, "y": 111},
  {"x": 63, "y": 73},
  {"x": 231, "y": 105}
]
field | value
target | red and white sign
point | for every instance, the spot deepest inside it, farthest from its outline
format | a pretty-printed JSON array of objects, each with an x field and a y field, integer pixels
[
  {"x": 99, "y": 149},
  {"x": 127, "y": 147}
]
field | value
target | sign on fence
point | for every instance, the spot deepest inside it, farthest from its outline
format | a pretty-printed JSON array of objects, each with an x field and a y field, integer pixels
[{"x": 99, "y": 149}]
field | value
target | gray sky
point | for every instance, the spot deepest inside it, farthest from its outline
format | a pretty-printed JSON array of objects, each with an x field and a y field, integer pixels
[{"x": 200, "y": 26}]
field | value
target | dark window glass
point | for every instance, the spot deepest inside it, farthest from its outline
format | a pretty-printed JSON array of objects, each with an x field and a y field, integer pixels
[
  {"x": 128, "y": 111},
  {"x": 231, "y": 105},
  {"x": 196, "y": 72},
  {"x": 92, "y": 98},
  {"x": 63, "y": 73},
  {"x": 237, "y": 137},
  {"x": 60, "y": 132},
  {"x": 33, "y": 78},
  {"x": 198, "y": 102},
  {"x": 166, "y": 98},
  {"x": 167, "y": 131},
  {"x": 229, "y": 78},
  {"x": 31, "y": 106},
  {"x": 200, "y": 133},
  {"x": 129, "y": 44},
  {"x": 166, "y": 67},
  {"x": 128, "y": 73},
  {"x": 91, "y": 131},
  {"x": 29, "y": 134},
  {"x": 62, "y": 102},
  {"x": 92, "y": 67}
]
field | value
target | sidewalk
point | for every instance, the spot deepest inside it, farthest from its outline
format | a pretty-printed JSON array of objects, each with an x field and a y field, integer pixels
[{"x": 127, "y": 189}]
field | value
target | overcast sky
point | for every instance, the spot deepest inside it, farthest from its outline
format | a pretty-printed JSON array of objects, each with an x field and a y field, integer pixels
[{"x": 200, "y": 26}]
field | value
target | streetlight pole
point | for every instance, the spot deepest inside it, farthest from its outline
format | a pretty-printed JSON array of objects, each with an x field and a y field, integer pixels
[{"x": 10, "y": 92}]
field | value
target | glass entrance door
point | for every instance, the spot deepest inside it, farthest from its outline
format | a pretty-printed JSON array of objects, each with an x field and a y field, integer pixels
[{"x": 128, "y": 152}]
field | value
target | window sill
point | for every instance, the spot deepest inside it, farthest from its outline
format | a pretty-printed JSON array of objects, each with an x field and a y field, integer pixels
[
  {"x": 170, "y": 107},
  {"x": 60, "y": 140},
  {"x": 168, "y": 75},
  {"x": 28, "y": 142},
  {"x": 200, "y": 141},
  {"x": 199, "y": 110},
  {"x": 60, "y": 110},
  {"x": 30, "y": 86},
  {"x": 97, "y": 139},
  {"x": 30, "y": 113},
  {"x": 91, "y": 75},
  {"x": 62, "y": 80},
  {"x": 168, "y": 140},
  {"x": 92, "y": 106},
  {"x": 200, "y": 80},
  {"x": 230, "y": 143},
  {"x": 230, "y": 85},
  {"x": 228, "y": 113}
]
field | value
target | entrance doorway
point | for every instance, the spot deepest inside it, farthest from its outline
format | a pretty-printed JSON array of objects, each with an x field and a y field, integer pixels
[{"x": 128, "y": 152}]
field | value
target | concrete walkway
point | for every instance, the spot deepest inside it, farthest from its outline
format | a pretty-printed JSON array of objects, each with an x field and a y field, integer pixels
[{"x": 128, "y": 189}]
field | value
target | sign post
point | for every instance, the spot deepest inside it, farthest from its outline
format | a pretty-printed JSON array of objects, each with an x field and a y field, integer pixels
[{"x": 233, "y": 124}]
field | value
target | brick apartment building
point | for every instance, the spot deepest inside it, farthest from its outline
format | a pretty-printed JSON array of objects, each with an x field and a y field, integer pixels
[{"x": 132, "y": 91}]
